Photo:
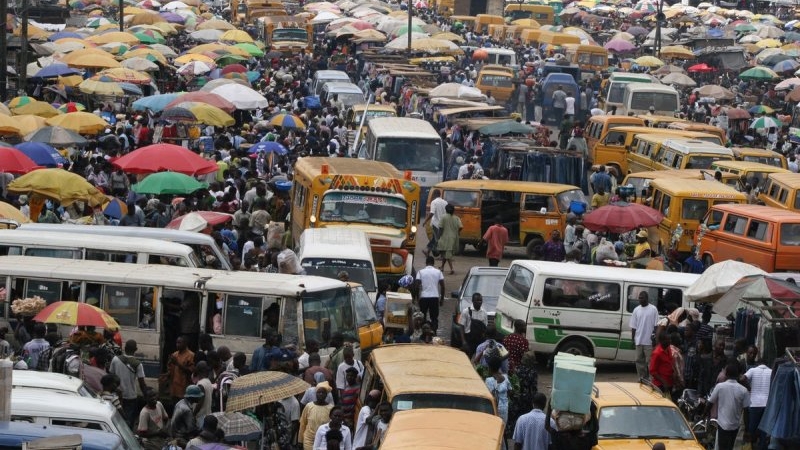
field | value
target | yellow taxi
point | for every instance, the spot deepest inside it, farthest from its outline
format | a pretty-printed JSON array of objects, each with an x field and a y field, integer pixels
[{"x": 636, "y": 415}]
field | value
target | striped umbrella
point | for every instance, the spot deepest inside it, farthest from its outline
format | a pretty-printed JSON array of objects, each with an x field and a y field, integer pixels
[
  {"x": 260, "y": 388},
  {"x": 76, "y": 314},
  {"x": 765, "y": 122},
  {"x": 287, "y": 121},
  {"x": 238, "y": 427}
]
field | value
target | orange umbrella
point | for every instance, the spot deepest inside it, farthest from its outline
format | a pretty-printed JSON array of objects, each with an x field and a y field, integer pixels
[{"x": 76, "y": 314}]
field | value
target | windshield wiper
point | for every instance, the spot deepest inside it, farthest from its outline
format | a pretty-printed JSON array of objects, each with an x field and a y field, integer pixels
[
  {"x": 659, "y": 436},
  {"x": 615, "y": 435}
]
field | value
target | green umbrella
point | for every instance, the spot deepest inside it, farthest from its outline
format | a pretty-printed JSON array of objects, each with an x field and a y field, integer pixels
[
  {"x": 225, "y": 60},
  {"x": 168, "y": 183},
  {"x": 150, "y": 37},
  {"x": 758, "y": 73},
  {"x": 745, "y": 28},
  {"x": 505, "y": 127},
  {"x": 252, "y": 49}
]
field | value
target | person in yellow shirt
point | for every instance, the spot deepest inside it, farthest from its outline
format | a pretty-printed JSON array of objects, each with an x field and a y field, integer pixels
[
  {"x": 600, "y": 198},
  {"x": 642, "y": 249}
]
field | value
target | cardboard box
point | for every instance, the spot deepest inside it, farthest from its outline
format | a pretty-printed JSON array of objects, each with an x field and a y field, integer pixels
[{"x": 396, "y": 314}]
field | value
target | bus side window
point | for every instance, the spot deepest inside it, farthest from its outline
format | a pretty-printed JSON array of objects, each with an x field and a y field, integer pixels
[{"x": 124, "y": 304}]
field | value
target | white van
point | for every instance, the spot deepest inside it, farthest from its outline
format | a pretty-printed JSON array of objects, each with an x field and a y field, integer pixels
[
  {"x": 50, "y": 381},
  {"x": 203, "y": 245},
  {"x": 323, "y": 76},
  {"x": 327, "y": 251},
  {"x": 501, "y": 56},
  {"x": 638, "y": 98},
  {"x": 96, "y": 248},
  {"x": 580, "y": 309},
  {"x": 52, "y": 408},
  {"x": 348, "y": 93}
]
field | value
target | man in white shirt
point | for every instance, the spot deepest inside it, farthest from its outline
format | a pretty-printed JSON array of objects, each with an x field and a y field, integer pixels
[
  {"x": 643, "y": 321},
  {"x": 471, "y": 335},
  {"x": 731, "y": 399},
  {"x": 435, "y": 214},
  {"x": 570, "y": 102},
  {"x": 349, "y": 361},
  {"x": 362, "y": 425},
  {"x": 759, "y": 378},
  {"x": 336, "y": 423},
  {"x": 430, "y": 285}
]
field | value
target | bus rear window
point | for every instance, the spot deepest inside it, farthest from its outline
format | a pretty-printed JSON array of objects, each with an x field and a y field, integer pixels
[
  {"x": 445, "y": 401},
  {"x": 463, "y": 199}
]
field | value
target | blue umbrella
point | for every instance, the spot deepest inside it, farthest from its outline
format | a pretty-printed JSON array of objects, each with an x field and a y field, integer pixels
[
  {"x": 715, "y": 32},
  {"x": 269, "y": 147},
  {"x": 789, "y": 65},
  {"x": 312, "y": 102},
  {"x": 41, "y": 153},
  {"x": 64, "y": 34},
  {"x": 155, "y": 103},
  {"x": 130, "y": 88},
  {"x": 116, "y": 208},
  {"x": 252, "y": 75},
  {"x": 55, "y": 70}
]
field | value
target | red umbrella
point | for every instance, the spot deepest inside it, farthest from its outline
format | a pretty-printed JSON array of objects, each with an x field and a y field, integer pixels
[
  {"x": 231, "y": 68},
  {"x": 702, "y": 67},
  {"x": 14, "y": 161},
  {"x": 781, "y": 297},
  {"x": 621, "y": 217},
  {"x": 205, "y": 97},
  {"x": 162, "y": 157},
  {"x": 198, "y": 220},
  {"x": 737, "y": 113}
]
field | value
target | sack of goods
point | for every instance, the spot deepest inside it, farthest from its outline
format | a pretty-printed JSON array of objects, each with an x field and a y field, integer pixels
[{"x": 573, "y": 378}]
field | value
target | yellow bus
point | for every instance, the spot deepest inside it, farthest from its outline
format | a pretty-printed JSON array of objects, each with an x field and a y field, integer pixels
[
  {"x": 685, "y": 125},
  {"x": 747, "y": 172},
  {"x": 598, "y": 126},
  {"x": 543, "y": 14},
  {"x": 482, "y": 22},
  {"x": 760, "y": 155},
  {"x": 781, "y": 191},
  {"x": 369, "y": 195},
  {"x": 590, "y": 58},
  {"x": 640, "y": 181},
  {"x": 684, "y": 203},
  {"x": 662, "y": 152}
]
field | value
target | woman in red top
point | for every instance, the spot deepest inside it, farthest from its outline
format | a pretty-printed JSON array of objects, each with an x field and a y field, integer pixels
[{"x": 517, "y": 345}]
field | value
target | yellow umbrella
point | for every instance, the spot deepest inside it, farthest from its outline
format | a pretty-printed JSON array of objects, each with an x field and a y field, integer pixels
[
  {"x": 84, "y": 51},
  {"x": 4, "y": 109},
  {"x": 73, "y": 39},
  {"x": 376, "y": 36},
  {"x": 145, "y": 53},
  {"x": 768, "y": 43},
  {"x": 201, "y": 112},
  {"x": 446, "y": 35},
  {"x": 132, "y": 11},
  {"x": 94, "y": 61},
  {"x": 28, "y": 123},
  {"x": 145, "y": 19},
  {"x": 58, "y": 184},
  {"x": 106, "y": 26},
  {"x": 114, "y": 36},
  {"x": 79, "y": 122},
  {"x": 166, "y": 27},
  {"x": 236, "y": 36},
  {"x": 122, "y": 74},
  {"x": 191, "y": 57},
  {"x": 216, "y": 24},
  {"x": 70, "y": 81},
  {"x": 101, "y": 86},
  {"x": 648, "y": 61},
  {"x": 34, "y": 33},
  {"x": 202, "y": 48},
  {"x": 36, "y": 108},
  {"x": 8, "y": 211},
  {"x": 8, "y": 125},
  {"x": 676, "y": 51}
]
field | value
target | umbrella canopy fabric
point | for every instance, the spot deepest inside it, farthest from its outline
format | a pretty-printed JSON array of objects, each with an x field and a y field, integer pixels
[
  {"x": 457, "y": 91},
  {"x": 199, "y": 113},
  {"x": 757, "y": 288},
  {"x": 205, "y": 97},
  {"x": 168, "y": 183},
  {"x": 287, "y": 121},
  {"x": 702, "y": 67},
  {"x": 238, "y": 427},
  {"x": 115, "y": 208},
  {"x": 198, "y": 221},
  {"x": 55, "y": 70},
  {"x": 36, "y": 108},
  {"x": 621, "y": 217},
  {"x": 101, "y": 85},
  {"x": 765, "y": 123},
  {"x": 260, "y": 388},
  {"x": 161, "y": 157},
  {"x": 716, "y": 92},
  {"x": 80, "y": 122},
  {"x": 241, "y": 96},
  {"x": 505, "y": 127},
  {"x": 678, "y": 79},
  {"x": 58, "y": 184},
  {"x": 718, "y": 279},
  {"x": 41, "y": 153},
  {"x": 758, "y": 73},
  {"x": 619, "y": 46},
  {"x": 76, "y": 314},
  {"x": 155, "y": 103},
  {"x": 13, "y": 160},
  {"x": 56, "y": 136},
  {"x": 8, "y": 211},
  {"x": 269, "y": 147}
]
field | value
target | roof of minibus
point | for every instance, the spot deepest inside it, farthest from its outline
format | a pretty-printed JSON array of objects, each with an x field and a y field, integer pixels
[
  {"x": 620, "y": 119},
  {"x": 790, "y": 179},
  {"x": 403, "y": 127},
  {"x": 697, "y": 146},
  {"x": 359, "y": 107},
  {"x": 692, "y": 174},
  {"x": 761, "y": 212},
  {"x": 433, "y": 369},
  {"x": 24, "y": 236},
  {"x": 423, "y": 428},
  {"x": 646, "y": 86},
  {"x": 663, "y": 131},
  {"x": 749, "y": 166},
  {"x": 610, "y": 273},
  {"x": 499, "y": 73},
  {"x": 752, "y": 151},
  {"x": 634, "y": 77},
  {"x": 336, "y": 241},
  {"x": 347, "y": 166},
  {"x": 162, "y": 275},
  {"x": 505, "y": 185},
  {"x": 682, "y": 187}
]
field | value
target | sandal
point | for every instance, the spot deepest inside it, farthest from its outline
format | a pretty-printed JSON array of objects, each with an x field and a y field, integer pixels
[{"x": 452, "y": 272}]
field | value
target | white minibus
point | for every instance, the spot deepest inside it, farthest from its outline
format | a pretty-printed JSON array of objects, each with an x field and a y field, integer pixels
[
  {"x": 614, "y": 88},
  {"x": 130, "y": 250},
  {"x": 323, "y": 76},
  {"x": 203, "y": 245},
  {"x": 583, "y": 310},
  {"x": 327, "y": 251},
  {"x": 638, "y": 98}
]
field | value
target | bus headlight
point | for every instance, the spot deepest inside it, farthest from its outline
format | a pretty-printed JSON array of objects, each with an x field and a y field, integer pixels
[
  {"x": 413, "y": 229},
  {"x": 397, "y": 260},
  {"x": 313, "y": 220}
]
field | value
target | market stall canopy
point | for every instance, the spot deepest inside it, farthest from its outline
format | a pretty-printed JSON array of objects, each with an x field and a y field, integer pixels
[
  {"x": 775, "y": 298},
  {"x": 718, "y": 279}
]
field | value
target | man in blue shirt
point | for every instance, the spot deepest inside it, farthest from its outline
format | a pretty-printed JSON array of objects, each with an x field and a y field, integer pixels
[
  {"x": 264, "y": 355},
  {"x": 601, "y": 179},
  {"x": 530, "y": 432}
]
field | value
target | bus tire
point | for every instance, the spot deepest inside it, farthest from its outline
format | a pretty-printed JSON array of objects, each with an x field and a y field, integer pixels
[
  {"x": 707, "y": 260},
  {"x": 575, "y": 347},
  {"x": 535, "y": 248}
]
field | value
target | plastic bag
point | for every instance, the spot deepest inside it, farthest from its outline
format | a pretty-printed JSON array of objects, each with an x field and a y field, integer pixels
[
  {"x": 275, "y": 235},
  {"x": 288, "y": 263}
]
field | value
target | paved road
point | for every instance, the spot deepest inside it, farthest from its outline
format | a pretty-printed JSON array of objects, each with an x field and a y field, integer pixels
[{"x": 606, "y": 370}]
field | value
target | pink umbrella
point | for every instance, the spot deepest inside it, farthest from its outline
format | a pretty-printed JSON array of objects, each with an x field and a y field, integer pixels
[
  {"x": 204, "y": 97},
  {"x": 161, "y": 157},
  {"x": 233, "y": 68},
  {"x": 362, "y": 25},
  {"x": 621, "y": 217},
  {"x": 198, "y": 220},
  {"x": 619, "y": 46}
]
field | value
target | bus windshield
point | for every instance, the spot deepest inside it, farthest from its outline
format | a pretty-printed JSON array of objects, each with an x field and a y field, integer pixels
[
  {"x": 357, "y": 207},
  {"x": 327, "y": 313},
  {"x": 290, "y": 34},
  {"x": 703, "y": 161},
  {"x": 662, "y": 101},
  {"x": 371, "y": 114},
  {"x": 616, "y": 91},
  {"x": 359, "y": 271},
  {"x": 424, "y": 155}
]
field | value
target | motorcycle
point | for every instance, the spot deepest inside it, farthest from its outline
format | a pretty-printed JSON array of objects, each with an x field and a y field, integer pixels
[{"x": 693, "y": 407}]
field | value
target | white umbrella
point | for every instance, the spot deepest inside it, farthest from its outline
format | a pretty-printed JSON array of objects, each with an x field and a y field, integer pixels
[
  {"x": 213, "y": 84},
  {"x": 138, "y": 63},
  {"x": 324, "y": 17},
  {"x": 209, "y": 35},
  {"x": 172, "y": 6},
  {"x": 241, "y": 96},
  {"x": 456, "y": 90},
  {"x": 196, "y": 68},
  {"x": 165, "y": 50},
  {"x": 718, "y": 278},
  {"x": 193, "y": 222},
  {"x": 679, "y": 79}
]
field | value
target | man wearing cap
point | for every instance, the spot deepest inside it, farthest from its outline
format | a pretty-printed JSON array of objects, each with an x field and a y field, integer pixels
[
  {"x": 642, "y": 249},
  {"x": 184, "y": 423}
]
